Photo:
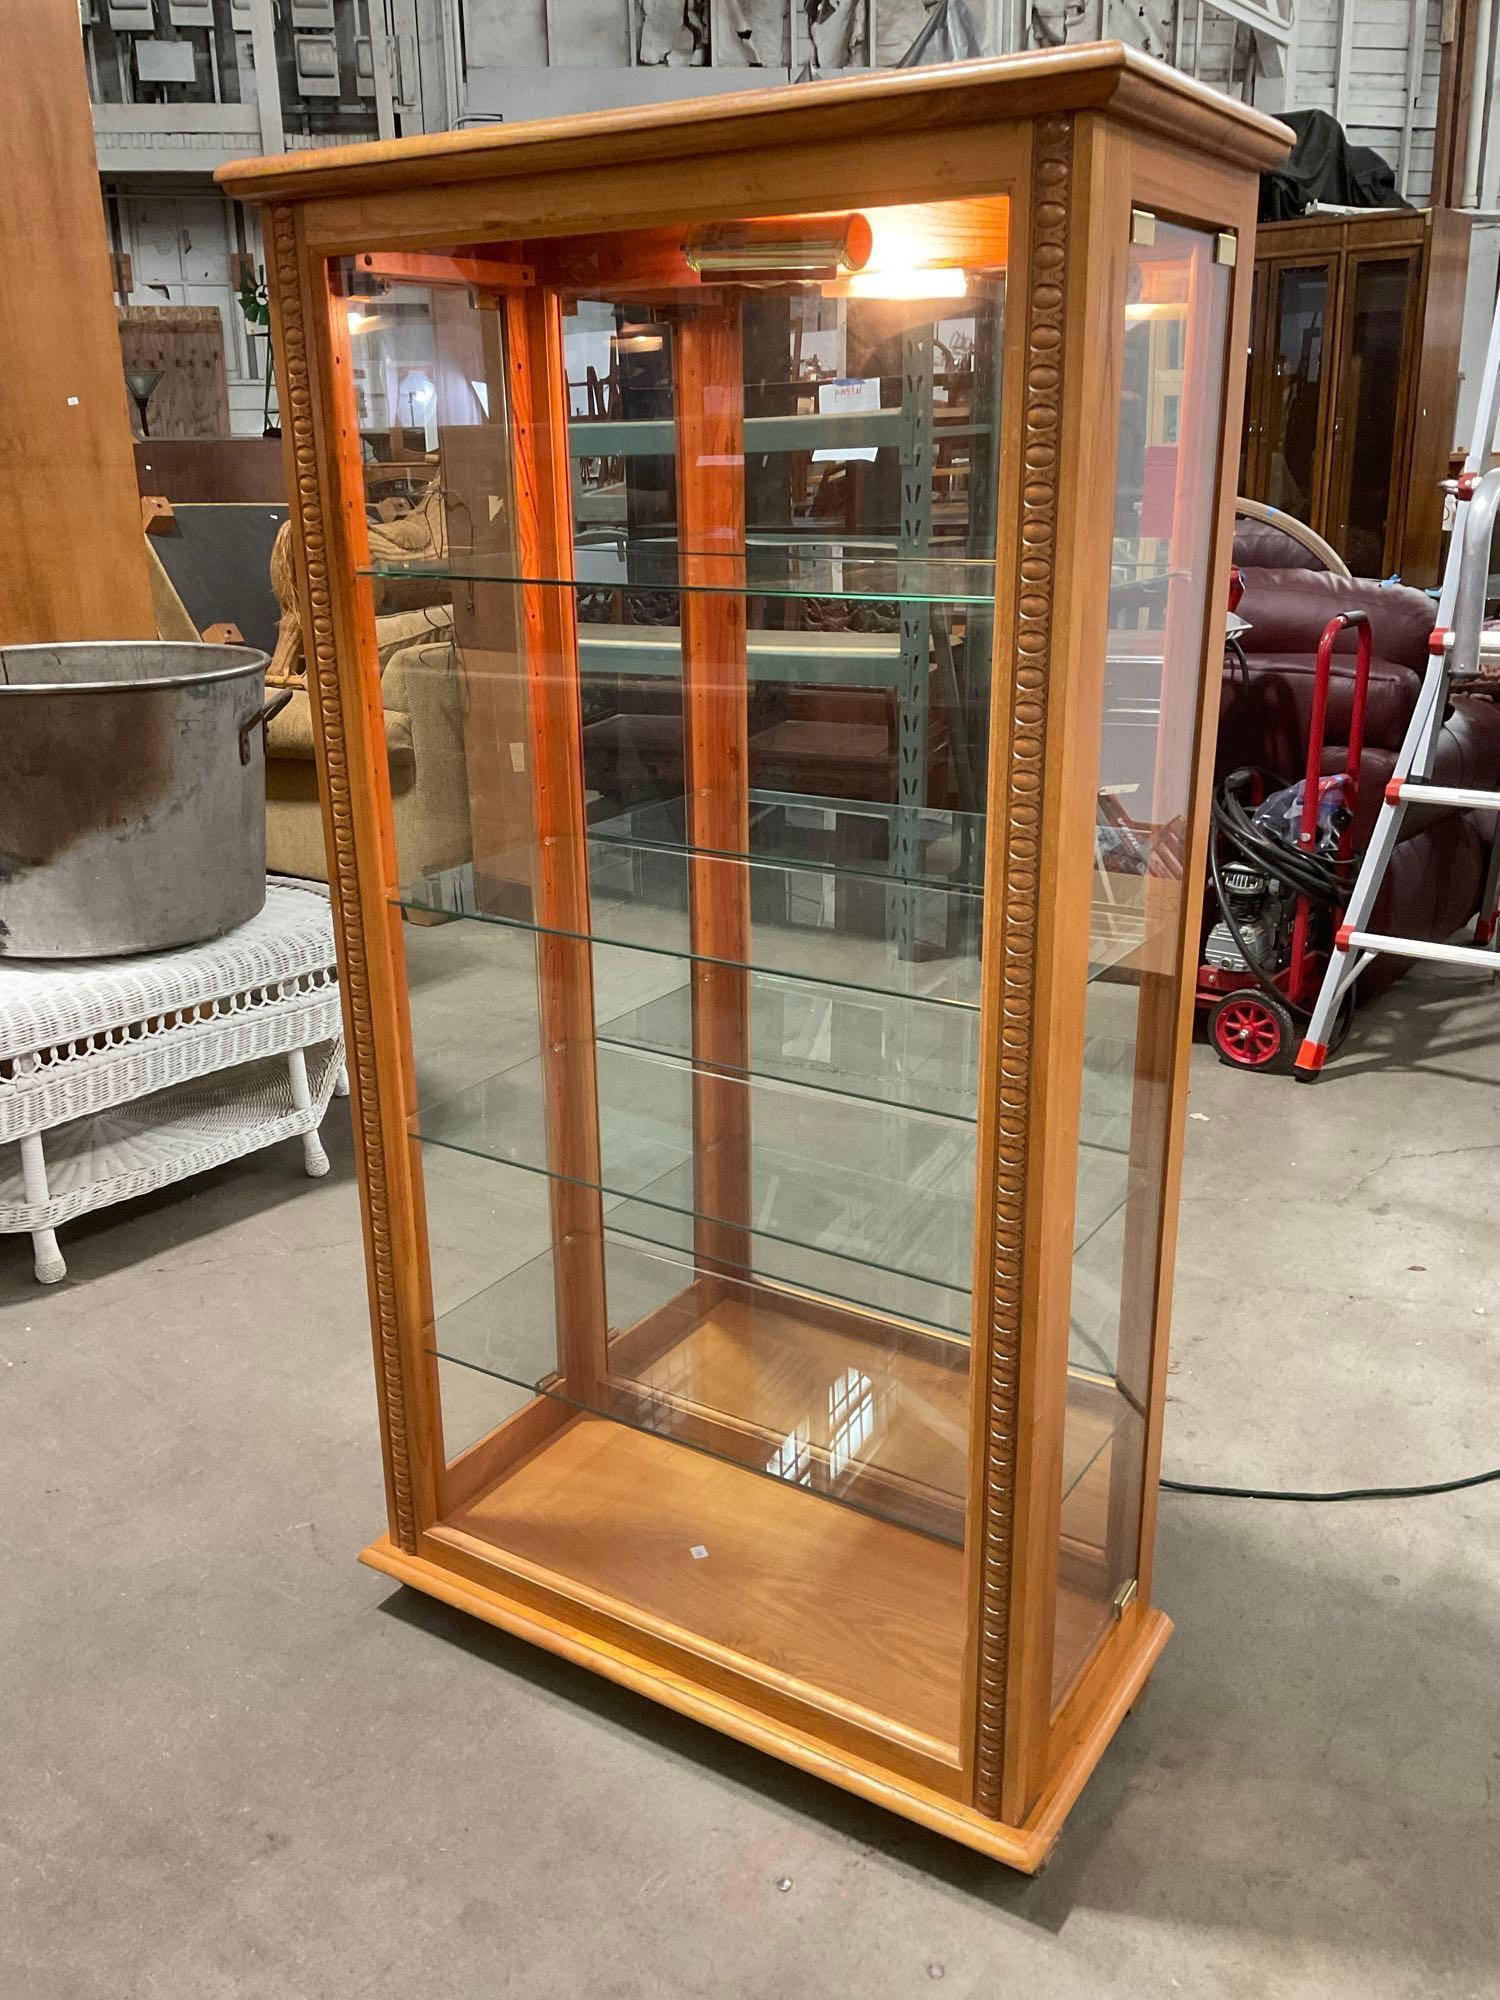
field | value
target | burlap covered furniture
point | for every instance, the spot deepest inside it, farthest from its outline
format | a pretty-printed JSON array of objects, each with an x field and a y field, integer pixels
[{"x": 422, "y": 695}]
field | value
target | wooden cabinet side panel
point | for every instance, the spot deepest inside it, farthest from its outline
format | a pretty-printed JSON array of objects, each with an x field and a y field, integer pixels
[{"x": 327, "y": 509}]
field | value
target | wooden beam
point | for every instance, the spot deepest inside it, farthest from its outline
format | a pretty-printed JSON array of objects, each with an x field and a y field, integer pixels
[
  {"x": 565, "y": 976},
  {"x": 413, "y": 267},
  {"x": 709, "y": 378},
  {"x": 1455, "y": 85}
]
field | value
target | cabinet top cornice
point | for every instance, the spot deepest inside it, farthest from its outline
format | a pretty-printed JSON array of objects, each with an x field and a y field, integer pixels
[{"x": 857, "y": 108}]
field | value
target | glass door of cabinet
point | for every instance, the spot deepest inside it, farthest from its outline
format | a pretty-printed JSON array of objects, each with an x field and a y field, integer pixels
[
  {"x": 1175, "y": 343},
  {"x": 1380, "y": 291},
  {"x": 1301, "y": 306},
  {"x": 683, "y": 555}
]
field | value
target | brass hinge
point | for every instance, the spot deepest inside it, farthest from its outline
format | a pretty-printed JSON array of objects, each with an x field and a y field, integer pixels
[
  {"x": 1125, "y": 1597},
  {"x": 1142, "y": 226},
  {"x": 1226, "y": 247}
]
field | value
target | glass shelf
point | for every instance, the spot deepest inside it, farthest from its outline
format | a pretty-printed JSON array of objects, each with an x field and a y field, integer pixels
[
  {"x": 827, "y": 898},
  {"x": 820, "y": 571},
  {"x": 803, "y": 830},
  {"x": 851, "y": 1044},
  {"x": 810, "y": 430},
  {"x": 795, "y": 932},
  {"x": 845, "y": 1404},
  {"x": 840, "y": 1186},
  {"x": 656, "y": 920},
  {"x": 870, "y": 1185}
]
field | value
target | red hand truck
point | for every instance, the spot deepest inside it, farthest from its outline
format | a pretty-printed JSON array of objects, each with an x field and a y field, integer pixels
[{"x": 1256, "y": 1007}]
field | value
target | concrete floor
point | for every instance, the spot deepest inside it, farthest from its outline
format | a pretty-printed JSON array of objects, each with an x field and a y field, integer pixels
[{"x": 234, "y": 1763}]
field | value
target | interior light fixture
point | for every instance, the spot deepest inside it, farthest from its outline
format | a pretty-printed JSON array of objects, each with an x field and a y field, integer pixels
[
  {"x": 780, "y": 247},
  {"x": 924, "y": 250},
  {"x": 361, "y": 318}
]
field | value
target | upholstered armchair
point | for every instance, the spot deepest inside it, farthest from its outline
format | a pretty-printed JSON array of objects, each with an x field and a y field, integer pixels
[{"x": 422, "y": 701}]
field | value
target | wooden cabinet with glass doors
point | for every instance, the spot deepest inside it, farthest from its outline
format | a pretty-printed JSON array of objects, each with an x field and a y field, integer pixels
[
  {"x": 1353, "y": 380},
  {"x": 800, "y": 520}
]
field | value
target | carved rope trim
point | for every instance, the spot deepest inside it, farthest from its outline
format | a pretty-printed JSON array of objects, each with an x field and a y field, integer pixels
[
  {"x": 323, "y": 689},
  {"x": 1022, "y": 822}
]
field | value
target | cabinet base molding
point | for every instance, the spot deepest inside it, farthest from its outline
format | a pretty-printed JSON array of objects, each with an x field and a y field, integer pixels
[{"x": 1025, "y": 1848}]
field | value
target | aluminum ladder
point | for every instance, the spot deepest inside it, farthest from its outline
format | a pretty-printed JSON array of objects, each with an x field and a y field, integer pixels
[{"x": 1458, "y": 641}]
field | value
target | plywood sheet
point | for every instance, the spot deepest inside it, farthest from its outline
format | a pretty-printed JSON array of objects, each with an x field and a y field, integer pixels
[
  {"x": 75, "y": 563},
  {"x": 187, "y": 344}
]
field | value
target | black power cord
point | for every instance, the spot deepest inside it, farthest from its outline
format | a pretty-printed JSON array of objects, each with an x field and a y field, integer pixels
[
  {"x": 1306, "y": 870},
  {"x": 1351, "y": 1493},
  {"x": 1326, "y": 884}
]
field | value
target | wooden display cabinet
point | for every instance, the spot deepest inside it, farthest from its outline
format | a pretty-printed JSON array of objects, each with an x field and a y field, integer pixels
[
  {"x": 769, "y": 1141},
  {"x": 1353, "y": 380}
]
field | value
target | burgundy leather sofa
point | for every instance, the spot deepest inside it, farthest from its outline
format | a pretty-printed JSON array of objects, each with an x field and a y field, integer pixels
[{"x": 1436, "y": 875}]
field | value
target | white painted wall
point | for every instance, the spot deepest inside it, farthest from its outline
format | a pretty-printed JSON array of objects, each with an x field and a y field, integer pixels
[
  {"x": 525, "y": 58},
  {"x": 1369, "y": 101},
  {"x": 472, "y": 61}
]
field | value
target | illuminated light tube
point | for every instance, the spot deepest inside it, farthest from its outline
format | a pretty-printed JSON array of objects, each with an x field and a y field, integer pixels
[
  {"x": 637, "y": 340},
  {"x": 905, "y": 283},
  {"x": 800, "y": 246}
]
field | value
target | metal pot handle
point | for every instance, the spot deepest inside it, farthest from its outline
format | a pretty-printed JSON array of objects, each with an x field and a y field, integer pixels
[{"x": 260, "y": 718}]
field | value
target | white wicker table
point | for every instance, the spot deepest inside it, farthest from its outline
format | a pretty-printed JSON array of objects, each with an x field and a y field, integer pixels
[{"x": 122, "y": 1075}]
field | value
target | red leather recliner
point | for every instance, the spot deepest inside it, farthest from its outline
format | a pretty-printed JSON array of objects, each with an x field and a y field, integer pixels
[{"x": 1436, "y": 875}]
